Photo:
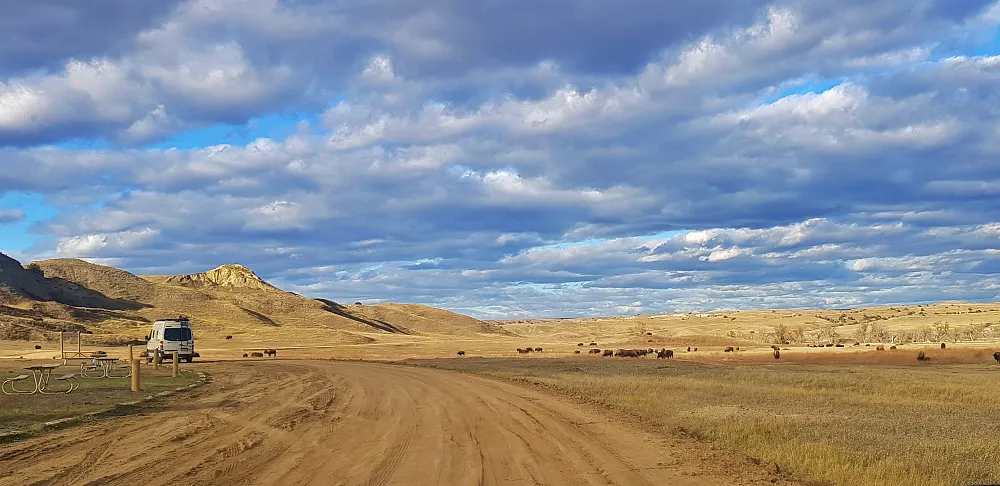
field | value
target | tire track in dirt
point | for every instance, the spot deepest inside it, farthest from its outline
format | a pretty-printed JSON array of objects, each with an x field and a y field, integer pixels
[{"x": 351, "y": 423}]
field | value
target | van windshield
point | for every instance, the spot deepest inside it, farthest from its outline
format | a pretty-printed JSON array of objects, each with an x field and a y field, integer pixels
[{"x": 177, "y": 334}]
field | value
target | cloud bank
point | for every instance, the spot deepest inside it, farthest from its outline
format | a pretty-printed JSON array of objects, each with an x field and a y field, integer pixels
[{"x": 540, "y": 159}]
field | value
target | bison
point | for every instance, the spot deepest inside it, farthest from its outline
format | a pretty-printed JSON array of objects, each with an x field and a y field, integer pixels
[
  {"x": 777, "y": 353},
  {"x": 593, "y": 344},
  {"x": 229, "y": 338},
  {"x": 271, "y": 353},
  {"x": 879, "y": 348},
  {"x": 729, "y": 349},
  {"x": 608, "y": 352},
  {"x": 996, "y": 356},
  {"x": 942, "y": 346},
  {"x": 595, "y": 351},
  {"x": 521, "y": 351},
  {"x": 689, "y": 349},
  {"x": 538, "y": 350},
  {"x": 921, "y": 356},
  {"x": 576, "y": 352},
  {"x": 696, "y": 349},
  {"x": 38, "y": 346},
  {"x": 256, "y": 355},
  {"x": 245, "y": 355},
  {"x": 461, "y": 353},
  {"x": 579, "y": 344},
  {"x": 665, "y": 353}
]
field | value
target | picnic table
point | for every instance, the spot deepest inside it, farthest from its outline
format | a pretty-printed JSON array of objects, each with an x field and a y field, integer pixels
[
  {"x": 105, "y": 365},
  {"x": 40, "y": 375}
]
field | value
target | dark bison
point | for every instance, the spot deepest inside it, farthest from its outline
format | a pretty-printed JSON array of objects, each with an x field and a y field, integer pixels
[
  {"x": 576, "y": 352},
  {"x": 879, "y": 348},
  {"x": 538, "y": 350},
  {"x": 528, "y": 349},
  {"x": 649, "y": 334},
  {"x": 245, "y": 355},
  {"x": 271, "y": 352},
  {"x": 689, "y": 349},
  {"x": 665, "y": 353},
  {"x": 921, "y": 356},
  {"x": 996, "y": 356},
  {"x": 695, "y": 349},
  {"x": 627, "y": 353},
  {"x": 38, "y": 347},
  {"x": 942, "y": 346},
  {"x": 229, "y": 338},
  {"x": 579, "y": 344},
  {"x": 593, "y": 344},
  {"x": 522, "y": 351},
  {"x": 256, "y": 355},
  {"x": 608, "y": 352},
  {"x": 729, "y": 349},
  {"x": 777, "y": 353},
  {"x": 595, "y": 351},
  {"x": 461, "y": 353}
]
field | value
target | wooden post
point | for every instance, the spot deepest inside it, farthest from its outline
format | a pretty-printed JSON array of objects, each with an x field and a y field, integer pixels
[
  {"x": 62, "y": 345},
  {"x": 177, "y": 361},
  {"x": 136, "y": 384},
  {"x": 156, "y": 359},
  {"x": 131, "y": 355},
  {"x": 79, "y": 343}
]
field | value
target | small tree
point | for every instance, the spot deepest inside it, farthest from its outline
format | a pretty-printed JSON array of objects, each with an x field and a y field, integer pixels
[
  {"x": 861, "y": 333},
  {"x": 782, "y": 334},
  {"x": 640, "y": 329}
]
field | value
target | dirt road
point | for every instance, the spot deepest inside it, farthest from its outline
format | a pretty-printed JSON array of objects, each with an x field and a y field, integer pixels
[{"x": 344, "y": 423}]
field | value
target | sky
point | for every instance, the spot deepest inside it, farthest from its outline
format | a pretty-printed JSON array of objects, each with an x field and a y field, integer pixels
[{"x": 542, "y": 158}]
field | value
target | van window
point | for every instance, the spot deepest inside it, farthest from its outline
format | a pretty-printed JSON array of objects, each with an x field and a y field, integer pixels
[{"x": 177, "y": 334}]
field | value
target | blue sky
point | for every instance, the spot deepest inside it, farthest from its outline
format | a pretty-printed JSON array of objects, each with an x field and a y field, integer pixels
[{"x": 607, "y": 159}]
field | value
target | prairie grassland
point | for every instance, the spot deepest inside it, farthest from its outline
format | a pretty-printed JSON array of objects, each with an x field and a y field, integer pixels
[{"x": 851, "y": 424}]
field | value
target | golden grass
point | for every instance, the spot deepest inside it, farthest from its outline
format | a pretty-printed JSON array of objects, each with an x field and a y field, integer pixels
[{"x": 851, "y": 424}]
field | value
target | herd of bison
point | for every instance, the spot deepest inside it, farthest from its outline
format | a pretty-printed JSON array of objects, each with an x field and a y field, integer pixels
[{"x": 664, "y": 353}]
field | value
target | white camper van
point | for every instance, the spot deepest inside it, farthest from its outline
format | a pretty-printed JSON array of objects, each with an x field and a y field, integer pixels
[{"x": 170, "y": 336}]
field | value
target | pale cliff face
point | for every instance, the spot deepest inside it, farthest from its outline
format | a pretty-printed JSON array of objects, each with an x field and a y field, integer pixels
[{"x": 236, "y": 276}]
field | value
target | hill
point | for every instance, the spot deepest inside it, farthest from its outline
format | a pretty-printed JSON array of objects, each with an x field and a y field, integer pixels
[{"x": 72, "y": 294}]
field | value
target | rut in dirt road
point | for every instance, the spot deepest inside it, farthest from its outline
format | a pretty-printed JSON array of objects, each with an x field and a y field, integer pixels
[{"x": 346, "y": 423}]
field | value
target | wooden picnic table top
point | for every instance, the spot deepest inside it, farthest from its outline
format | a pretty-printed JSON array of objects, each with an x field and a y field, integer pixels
[
  {"x": 41, "y": 367},
  {"x": 105, "y": 358}
]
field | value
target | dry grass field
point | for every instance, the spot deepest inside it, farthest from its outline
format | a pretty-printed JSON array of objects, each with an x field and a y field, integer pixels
[{"x": 851, "y": 424}]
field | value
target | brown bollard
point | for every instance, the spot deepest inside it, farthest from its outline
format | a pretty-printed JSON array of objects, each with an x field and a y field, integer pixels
[
  {"x": 156, "y": 359},
  {"x": 177, "y": 362},
  {"x": 135, "y": 375}
]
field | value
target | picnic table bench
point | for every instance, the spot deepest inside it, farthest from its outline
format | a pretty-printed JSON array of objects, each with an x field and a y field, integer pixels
[
  {"x": 40, "y": 374},
  {"x": 105, "y": 365}
]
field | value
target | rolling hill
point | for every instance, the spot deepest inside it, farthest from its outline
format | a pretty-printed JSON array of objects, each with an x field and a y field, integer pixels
[{"x": 69, "y": 294}]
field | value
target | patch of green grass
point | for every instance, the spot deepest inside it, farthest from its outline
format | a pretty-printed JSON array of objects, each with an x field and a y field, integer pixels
[
  {"x": 21, "y": 412},
  {"x": 840, "y": 424}
]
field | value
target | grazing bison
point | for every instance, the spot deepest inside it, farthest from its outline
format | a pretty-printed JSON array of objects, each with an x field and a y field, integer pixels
[
  {"x": 538, "y": 350},
  {"x": 649, "y": 334},
  {"x": 892, "y": 347},
  {"x": 461, "y": 353},
  {"x": 729, "y": 349},
  {"x": 521, "y": 351},
  {"x": 996, "y": 356},
  {"x": 256, "y": 355},
  {"x": 695, "y": 349},
  {"x": 529, "y": 349},
  {"x": 38, "y": 347},
  {"x": 593, "y": 344},
  {"x": 840, "y": 345},
  {"x": 271, "y": 353},
  {"x": 576, "y": 352},
  {"x": 921, "y": 356},
  {"x": 689, "y": 349},
  {"x": 229, "y": 338},
  {"x": 665, "y": 353},
  {"x": 631, "y": 353},
  {"x": 608, "y": 352},
  {"x": 942, "y": 345},
  {"x": 245, "y": 355},
  {"x": 579, "y": 344},
  {"x": 595, "y": 351},
  {"x": 879, "y": 348},
  {"x": 777, "y": 353}
]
